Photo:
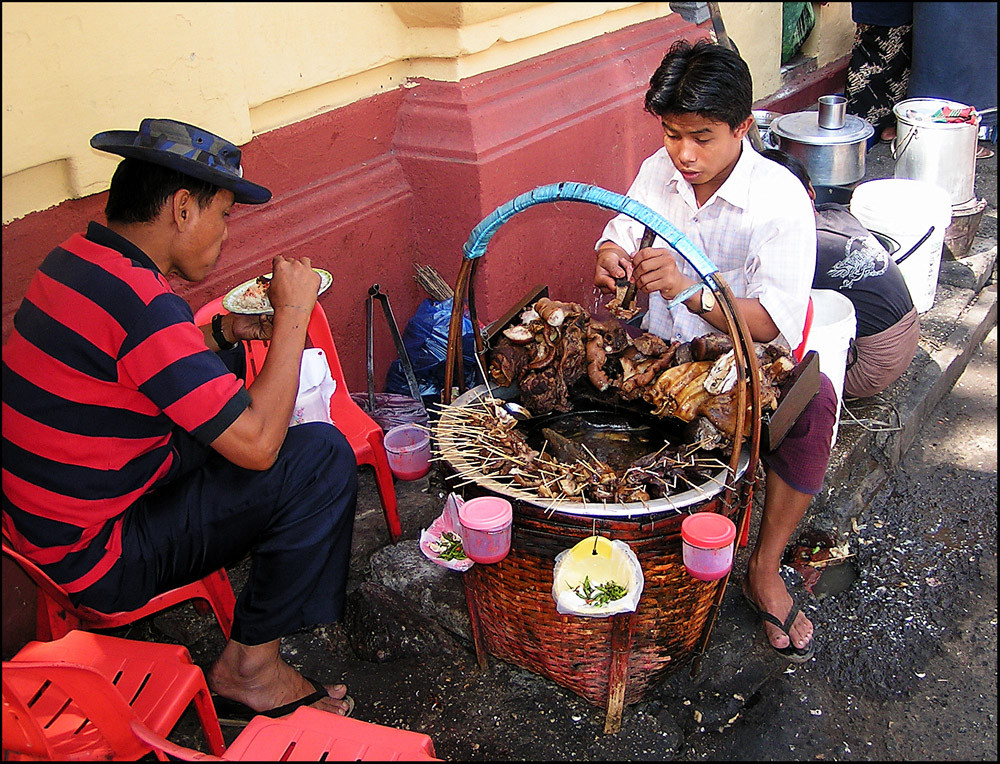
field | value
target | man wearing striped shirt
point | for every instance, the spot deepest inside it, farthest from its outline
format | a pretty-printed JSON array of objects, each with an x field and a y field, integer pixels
[
  {"x": 135, "y": 461},
  {"x": 755, "y": 223}
]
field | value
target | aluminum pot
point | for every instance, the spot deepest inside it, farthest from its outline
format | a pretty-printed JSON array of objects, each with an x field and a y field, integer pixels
[
  {"x": 942, "y": 153},
  {"x": 833, "y": 157}
]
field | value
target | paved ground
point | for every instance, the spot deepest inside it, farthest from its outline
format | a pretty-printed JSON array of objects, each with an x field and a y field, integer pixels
[{"x": 906, "y": 659}]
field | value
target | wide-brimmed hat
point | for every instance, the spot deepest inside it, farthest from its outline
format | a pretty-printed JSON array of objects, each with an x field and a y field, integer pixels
[{"x": 187, "y": 149}]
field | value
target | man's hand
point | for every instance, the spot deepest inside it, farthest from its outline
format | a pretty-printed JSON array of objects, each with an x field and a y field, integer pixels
[
  {"x": 612, "y": 263},
  {"x": 254, "y": 439},
  {"x": 251, "y": 327},
  {"x": 656, "y": 271},
  {"x": 294, "y": 284}
]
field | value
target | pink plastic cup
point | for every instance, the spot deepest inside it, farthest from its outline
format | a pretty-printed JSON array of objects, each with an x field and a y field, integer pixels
[
  {"x": 708, "y": 545},
  {"x": 408, "y": 449},
  {"x": 486, "y": 526}
]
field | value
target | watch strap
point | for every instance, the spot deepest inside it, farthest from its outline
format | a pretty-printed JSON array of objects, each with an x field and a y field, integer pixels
[{"x": 219, "y": 336}]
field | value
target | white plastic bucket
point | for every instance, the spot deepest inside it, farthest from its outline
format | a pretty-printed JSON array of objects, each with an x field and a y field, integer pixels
[
  {"x": 905, "y": 210},
  {"x": 834, "y": 326}
]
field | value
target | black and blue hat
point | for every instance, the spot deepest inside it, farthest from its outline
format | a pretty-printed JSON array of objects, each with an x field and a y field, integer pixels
[{"x": 187, "y": 149}]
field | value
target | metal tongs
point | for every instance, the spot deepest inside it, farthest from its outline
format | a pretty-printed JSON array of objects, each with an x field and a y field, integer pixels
[
  {"x": 375, "y": 293},
  {"x": 632, "y": 288}
]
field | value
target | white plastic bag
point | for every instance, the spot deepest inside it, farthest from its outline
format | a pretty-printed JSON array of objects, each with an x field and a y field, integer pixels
[
  {"x": 316, "y": 388},
  {"x": 446, "y": 522},
  {"x": 613, "y": 561}
]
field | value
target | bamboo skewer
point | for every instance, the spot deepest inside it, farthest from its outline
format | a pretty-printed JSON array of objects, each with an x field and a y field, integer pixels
[
  {"x": 476, "y": 436},
  {"x": 432, "y": 283}
]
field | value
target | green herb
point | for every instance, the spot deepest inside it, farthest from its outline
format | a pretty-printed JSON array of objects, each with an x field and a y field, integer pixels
[
  {"x": 450, "y": 547},
  {"x": 600, "y": 595}
]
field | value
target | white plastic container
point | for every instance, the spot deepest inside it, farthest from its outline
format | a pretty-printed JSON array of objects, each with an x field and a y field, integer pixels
[
  {"x": 905, "y": 210},
  {"x": 834, "y": 326}
]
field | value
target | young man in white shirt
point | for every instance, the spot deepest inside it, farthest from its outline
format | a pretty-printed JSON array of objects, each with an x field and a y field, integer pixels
[{"x": 754, "y": 220}]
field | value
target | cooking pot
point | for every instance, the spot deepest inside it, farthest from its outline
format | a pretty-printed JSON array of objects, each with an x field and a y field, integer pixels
[
  {"x": 942, "y": 153},
  {"x": 833, "y": 156}
]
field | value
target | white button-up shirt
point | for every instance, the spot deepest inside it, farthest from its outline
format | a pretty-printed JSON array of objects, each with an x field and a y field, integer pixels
[{"x": 758, "y": 228}]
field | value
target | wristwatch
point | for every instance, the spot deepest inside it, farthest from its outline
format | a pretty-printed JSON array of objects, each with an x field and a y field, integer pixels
[
  {"x": 219, "y": 336},
  {"x": 707, "y": 302}
]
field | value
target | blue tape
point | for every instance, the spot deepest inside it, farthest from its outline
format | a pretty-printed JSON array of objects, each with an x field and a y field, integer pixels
[{"x": 475, "y": 246}]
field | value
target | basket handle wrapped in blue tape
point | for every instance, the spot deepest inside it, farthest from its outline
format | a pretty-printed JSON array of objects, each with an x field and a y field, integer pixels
[
  {"x": 475, "y": 247},
  {"x": 581, "y": 192}
]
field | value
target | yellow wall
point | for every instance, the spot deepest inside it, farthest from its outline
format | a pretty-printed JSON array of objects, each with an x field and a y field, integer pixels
[
  {"x": 756, "y": 30},
  {"x": 240, "y": 69},
  {"x": 833, "y": 35}
]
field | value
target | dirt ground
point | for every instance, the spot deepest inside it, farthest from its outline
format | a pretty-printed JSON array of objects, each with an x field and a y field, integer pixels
[{"x": 906, "y": 667}]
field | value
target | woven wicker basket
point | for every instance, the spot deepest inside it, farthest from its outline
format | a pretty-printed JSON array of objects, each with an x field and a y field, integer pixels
[
  {"x": 516, "y": 619},
  {"x": 613, "y": 660}
]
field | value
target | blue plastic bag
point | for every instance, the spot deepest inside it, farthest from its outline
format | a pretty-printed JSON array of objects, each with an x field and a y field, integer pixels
[{"x": 425, "y": 339}]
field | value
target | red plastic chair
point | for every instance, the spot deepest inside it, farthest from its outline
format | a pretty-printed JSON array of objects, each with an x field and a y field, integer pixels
[
  {"x": 56, "y": 615},
  {"x": 800, "y": 352},
  {"x": 361, "y": 431},
  {"x": 308, "y": 734},
  {"x": 76, "y": 698}
]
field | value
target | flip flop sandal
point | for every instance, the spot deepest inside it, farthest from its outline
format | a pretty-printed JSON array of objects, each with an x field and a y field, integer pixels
[
  {"x": 789, "y": 652},
  {"x": 983, "y": 152},
  {"x": 232, "y": 712}
]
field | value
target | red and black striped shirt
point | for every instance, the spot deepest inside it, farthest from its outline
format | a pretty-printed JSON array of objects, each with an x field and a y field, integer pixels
[{"x": 103, "y": 366}]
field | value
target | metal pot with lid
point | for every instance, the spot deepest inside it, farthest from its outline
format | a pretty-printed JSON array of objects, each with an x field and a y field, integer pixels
[{"x": 829, "y": 142}]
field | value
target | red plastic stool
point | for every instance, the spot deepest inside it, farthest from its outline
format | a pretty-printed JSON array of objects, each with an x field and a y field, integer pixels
[
  {"x": 361, "y": 431},
  {"x": 56, "y": 615},
  {"x": 308, "y": 734}
]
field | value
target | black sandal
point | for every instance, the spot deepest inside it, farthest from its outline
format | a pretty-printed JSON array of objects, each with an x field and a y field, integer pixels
[
  {"x": 790, "y": 651},
  {"x": 232, "y": 712}
]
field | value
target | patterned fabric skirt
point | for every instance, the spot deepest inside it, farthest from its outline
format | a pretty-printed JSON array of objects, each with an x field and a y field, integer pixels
[{"x": 878, "y": 73}]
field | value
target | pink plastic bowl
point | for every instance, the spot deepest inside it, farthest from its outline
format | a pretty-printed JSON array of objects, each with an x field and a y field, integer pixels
[{"x": 486, "y": 526}]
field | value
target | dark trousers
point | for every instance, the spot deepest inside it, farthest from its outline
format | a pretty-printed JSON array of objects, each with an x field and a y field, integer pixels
[{"x": 295, "y": 519}]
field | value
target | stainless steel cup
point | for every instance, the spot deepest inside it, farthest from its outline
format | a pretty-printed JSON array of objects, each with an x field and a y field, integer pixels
[{"x": 832, "y": 111}]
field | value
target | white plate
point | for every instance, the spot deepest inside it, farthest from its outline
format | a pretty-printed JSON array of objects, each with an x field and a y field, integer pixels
[{"x": 238, "y": 302}]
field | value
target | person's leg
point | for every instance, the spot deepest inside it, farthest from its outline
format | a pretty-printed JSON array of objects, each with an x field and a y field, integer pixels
[
  {"x": 257, "y": 676},
  {"x": 794, "y": 475},
  {"x": 877, "y": 75},
  {"x": 784, "y": 508},
  {"x": 296, "y": 520}
]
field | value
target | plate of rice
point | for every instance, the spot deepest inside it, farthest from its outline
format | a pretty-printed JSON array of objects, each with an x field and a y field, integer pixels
[{"x": 250, "y": 297}]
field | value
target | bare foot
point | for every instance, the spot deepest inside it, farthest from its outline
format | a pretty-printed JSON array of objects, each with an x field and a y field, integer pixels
[
  {"x": 767, "y": 589},
  {"x": 258, "y": 677},
  {"x": 888, "y": 134}
]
